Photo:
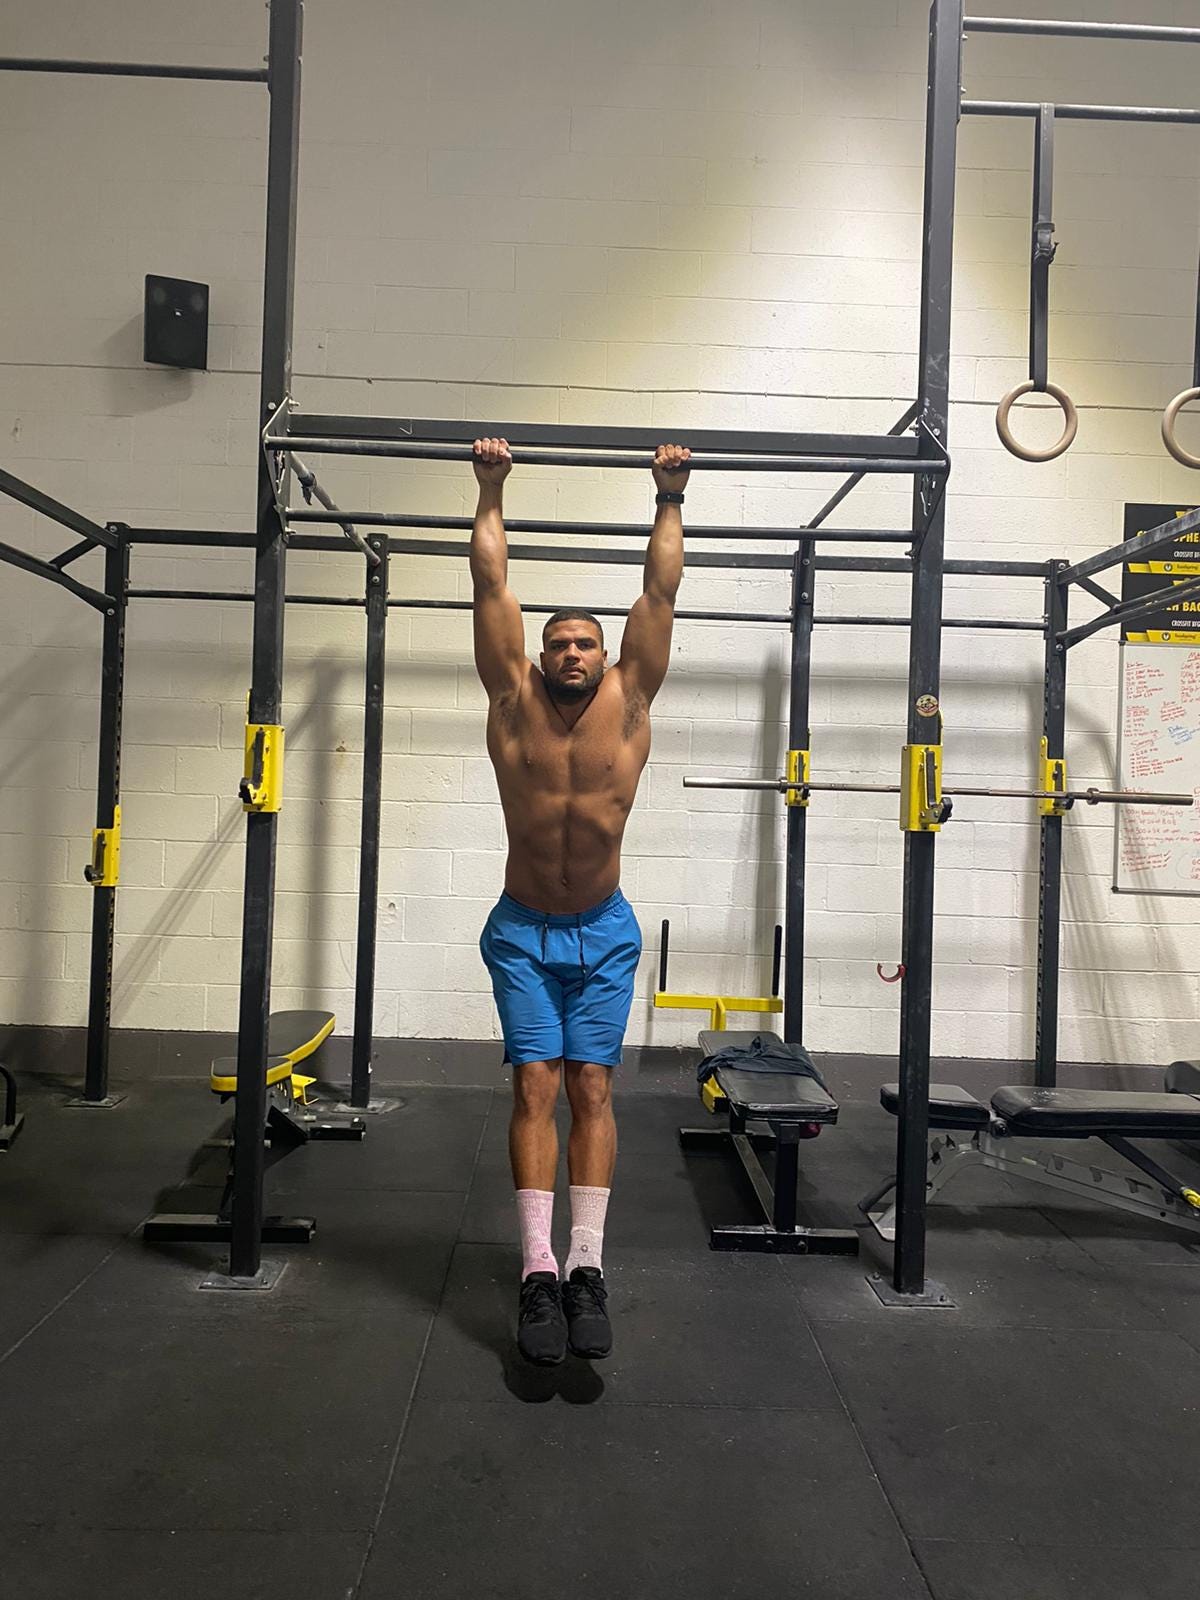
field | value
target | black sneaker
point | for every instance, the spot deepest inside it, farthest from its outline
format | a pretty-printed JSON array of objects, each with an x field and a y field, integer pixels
[
  {"x": 541, "y": 1327},
  {"x": 585, "y": 1301}
]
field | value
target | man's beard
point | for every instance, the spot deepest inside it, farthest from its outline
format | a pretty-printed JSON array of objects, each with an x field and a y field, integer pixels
[{"x": 571, "y": 693}]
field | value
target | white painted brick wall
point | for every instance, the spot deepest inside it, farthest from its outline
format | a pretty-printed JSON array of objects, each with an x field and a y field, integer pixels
[{"x": 676, "y": 215}]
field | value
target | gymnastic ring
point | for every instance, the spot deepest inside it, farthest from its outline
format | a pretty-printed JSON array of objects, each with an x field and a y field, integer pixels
[
  {"x": 1070, "y": 422},
  {"x": 1170, "y": 417}
]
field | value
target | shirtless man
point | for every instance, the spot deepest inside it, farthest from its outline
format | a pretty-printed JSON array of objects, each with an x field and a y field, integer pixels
[{"x": 568, "y": 740}]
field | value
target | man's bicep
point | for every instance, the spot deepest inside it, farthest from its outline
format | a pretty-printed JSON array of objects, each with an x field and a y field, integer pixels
[
  {"x": 646, "y": 644},
  {"x": 499, "y": 638}
]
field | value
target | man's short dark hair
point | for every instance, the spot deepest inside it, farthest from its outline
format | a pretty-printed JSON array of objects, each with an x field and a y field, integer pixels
[{"x": 569, "y": 614}]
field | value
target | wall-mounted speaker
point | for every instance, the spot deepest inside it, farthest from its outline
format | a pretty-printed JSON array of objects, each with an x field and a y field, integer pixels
[{"x": 175, "y": 332}]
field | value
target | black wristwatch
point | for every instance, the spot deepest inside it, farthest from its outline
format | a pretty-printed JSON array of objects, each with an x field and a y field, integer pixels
[{"x": 669, "y": 497}]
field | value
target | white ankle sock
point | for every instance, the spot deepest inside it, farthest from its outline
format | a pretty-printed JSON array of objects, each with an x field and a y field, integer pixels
[
  {"x": 588, "y": 1209},
  {"x": 535, "y": 1208}
]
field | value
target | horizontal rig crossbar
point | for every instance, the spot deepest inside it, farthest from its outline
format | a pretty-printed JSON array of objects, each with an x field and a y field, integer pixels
[
  {"x": 1132, "y": 549},
  {"x": 47, "y": 506},
  {"x": 559, "y": 436},
  {"x": 1127, "y": 611},
  {"x": 1000, "y": 624},
  {"x": 621, "y": 530},
  {"x": 1077, "y": 113},
  {"x": 132, "y": 69},
  {"x": 224, "y": 596},
  {"x": 782, "y": 617},
  {"x": 234, "y": 596},
  {"x": 422, "y": 451},
  {"x": 13, "y": 557},
  {"x": 1148, "y": 32},
  {"x": 1091, "y": 797},
  {"x": 730, "y": 560}
]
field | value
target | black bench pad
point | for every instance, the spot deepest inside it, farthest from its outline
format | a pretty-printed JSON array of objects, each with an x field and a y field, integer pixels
[
  {"x": 1183, "y": 1077},
  {"x": 1094, "y": 1112},
  {"x": 773, "y": 1096},
  {"x": 949, "y": 1106},
  {"x": 777, "y": 1096}
]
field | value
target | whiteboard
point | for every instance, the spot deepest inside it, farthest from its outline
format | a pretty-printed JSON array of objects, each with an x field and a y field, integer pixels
[{"x": 1157, "y": 848}]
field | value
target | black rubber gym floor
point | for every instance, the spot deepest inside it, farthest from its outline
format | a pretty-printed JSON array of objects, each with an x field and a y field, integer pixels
[{"x": 765, "y": 1426}]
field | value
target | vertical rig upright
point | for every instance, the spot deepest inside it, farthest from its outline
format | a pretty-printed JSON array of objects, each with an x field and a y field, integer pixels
[
  {"x": 372, "y": 807},
  {"x": 102, "y": 871},
  {"x": 266, "y": 687},
  {"x": 925, "y": 646},
  {"x": 1052, "y": 775},
  {"x": 799, "y": 740}
]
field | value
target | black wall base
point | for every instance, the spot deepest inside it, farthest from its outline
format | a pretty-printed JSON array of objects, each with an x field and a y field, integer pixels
[{"x": 137, "y": 1053}]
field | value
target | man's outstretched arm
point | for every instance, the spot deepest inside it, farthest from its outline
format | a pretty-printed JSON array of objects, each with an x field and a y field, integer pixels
[
  {"x": 500, "y": 657},
  {"x": 646, "y": 646}
]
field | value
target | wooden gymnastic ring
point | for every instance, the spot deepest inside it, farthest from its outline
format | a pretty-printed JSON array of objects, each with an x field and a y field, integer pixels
[
  {"x": 1170, "y": 417},
  {"x": 1070, "y": 422}
]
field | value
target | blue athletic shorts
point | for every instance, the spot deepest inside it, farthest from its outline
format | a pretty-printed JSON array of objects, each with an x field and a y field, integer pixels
[{"x": 563, "y": 984}]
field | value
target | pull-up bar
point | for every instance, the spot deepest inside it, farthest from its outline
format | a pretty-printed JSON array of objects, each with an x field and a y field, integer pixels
[
  {"x": 132, "y": 69},
  {"x": 1078, "y": 113},
  {"x": 421, "y": 450},
  {"x": 1147, "y": 32}
]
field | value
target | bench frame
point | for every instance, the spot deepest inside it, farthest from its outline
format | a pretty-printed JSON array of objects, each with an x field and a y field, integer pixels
[
  {"x": 288, "y": 1124},
  {"x": 780, "y": 1234},
  {"x": 992, "y": 1147}
]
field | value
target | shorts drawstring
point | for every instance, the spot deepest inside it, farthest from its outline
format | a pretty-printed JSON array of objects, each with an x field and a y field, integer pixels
[{"x": 579, "y": 936}]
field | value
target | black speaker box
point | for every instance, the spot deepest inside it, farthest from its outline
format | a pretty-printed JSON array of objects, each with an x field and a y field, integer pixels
[{"x": 175, "y": 332}]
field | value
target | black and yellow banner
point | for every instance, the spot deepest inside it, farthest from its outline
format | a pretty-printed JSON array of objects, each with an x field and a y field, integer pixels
[{"x": 1173, "y": 564}]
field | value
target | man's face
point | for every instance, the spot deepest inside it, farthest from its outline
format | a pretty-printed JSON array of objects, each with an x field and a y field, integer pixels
[{"x": 573, "y": 660}]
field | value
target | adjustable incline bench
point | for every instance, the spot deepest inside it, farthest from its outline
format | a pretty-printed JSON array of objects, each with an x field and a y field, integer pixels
[
  {"x": 977, "y": 1133},
  {"x": 772, "y": 1110},
  {"x": 10, "y": 1127},
  {"x": 292, "y": 1037}
]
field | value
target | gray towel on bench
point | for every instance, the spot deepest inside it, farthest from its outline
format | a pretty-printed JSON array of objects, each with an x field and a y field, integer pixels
[{"x": 763, "y": 1054}]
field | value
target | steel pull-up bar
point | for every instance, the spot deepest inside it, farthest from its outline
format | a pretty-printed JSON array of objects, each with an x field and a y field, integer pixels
[
  {"x": 1146, "y": 32},
  {"x": 132, "y": 69},
  {"x": 421, "y": 450},
  {"x": 1081, "y": 113}
]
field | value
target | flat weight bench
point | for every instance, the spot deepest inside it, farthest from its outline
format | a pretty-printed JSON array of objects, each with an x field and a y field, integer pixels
[
  {"x": 292, "y": 1037},
  {"x": 978, "y": 1133},
  {"x": 784, "y": 1108}
]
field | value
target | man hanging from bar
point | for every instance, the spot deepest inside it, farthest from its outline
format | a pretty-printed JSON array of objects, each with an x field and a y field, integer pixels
[{"x": 568, "y": 739}]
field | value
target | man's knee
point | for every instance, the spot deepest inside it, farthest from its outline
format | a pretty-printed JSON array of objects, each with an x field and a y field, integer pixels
[
  {"x": 589, "y": 1089},
  {"x": 535, "y": 1088}
]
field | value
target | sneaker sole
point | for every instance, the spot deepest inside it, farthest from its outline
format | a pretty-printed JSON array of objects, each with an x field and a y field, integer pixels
[
  {"x": 541, "y": 1361},
  {"x": 591, "y": 1355}
]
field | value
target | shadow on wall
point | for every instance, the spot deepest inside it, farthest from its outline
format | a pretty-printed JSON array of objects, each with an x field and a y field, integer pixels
[
  {"x": 132, "y": 971},
  {"x": 157, "y": 388},
  {"x": 776, "y": 688},
  {"x": 38, "y": 769}
]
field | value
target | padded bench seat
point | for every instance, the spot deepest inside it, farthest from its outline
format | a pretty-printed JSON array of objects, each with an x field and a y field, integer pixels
[
  {"x": 1084, "y": 1113},
  {"x": 767, "y": 1096},
  {"x": 223, "y": 1078},
  {"x": 949, "y": 1106},
  {"x": 1029, "y": 1113}
]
